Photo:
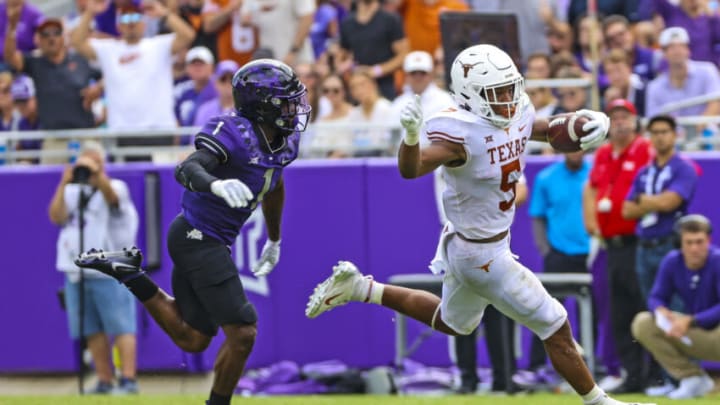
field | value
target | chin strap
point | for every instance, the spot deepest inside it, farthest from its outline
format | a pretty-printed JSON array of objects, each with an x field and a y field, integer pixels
[{"x": 270, "y": 148}]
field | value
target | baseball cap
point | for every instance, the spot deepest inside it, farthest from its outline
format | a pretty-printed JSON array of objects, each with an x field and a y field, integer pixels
[
  {"x": 49, "y": 22},
  {"x": 418, "y": 61},
  {"x": 23, "y": 88},
  {"x": 225, "y": 67},
  {"x": 200, "y": 53},
  {"x": 621, "y": 103},
  {"x": 131, "y": 7},
  {"x": 674, "y": 35}
]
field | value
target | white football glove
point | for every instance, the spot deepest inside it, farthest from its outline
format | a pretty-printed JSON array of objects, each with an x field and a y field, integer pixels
[
  {"x": 235, "y": 193},
  {"x": 411, "y": 118},
  {"x": 599, "y": 124},
  {"x": 268, "y": 259}
]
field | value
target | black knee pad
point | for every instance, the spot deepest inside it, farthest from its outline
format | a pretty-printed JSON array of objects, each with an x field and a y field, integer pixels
[{"x": 247, "y": 314}]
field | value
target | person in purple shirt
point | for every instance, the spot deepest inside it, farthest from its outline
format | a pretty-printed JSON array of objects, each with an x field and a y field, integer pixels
[
  {"x": 23, "y": 94},
  {"x": 678, "y": 340},
  {"x": 223, "y": 103},
  {"x": 190, "y": 94},
  {"x": 28, "y": 19},
  {"x": 618, "y": 35},
  {"x": 660, "y": 194},
  {"x": 702, "y": 27},
  {"x": 683, "y": 79},
  {"x": 325, "y": 26},
  {"x": 238, "y": 164}
]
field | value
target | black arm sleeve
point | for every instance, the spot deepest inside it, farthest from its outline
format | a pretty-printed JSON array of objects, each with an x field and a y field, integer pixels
[{"x": 193, "y": 172}]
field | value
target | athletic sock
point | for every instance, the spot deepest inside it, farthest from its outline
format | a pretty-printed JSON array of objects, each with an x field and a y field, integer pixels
[
  {"x": 594, "y": 396},
  {"x": 142, "y": 287},
  {"x": 376, "y": 292},
  {"x": 368, "y": 290},
  {"x": 216, "y": 399}
]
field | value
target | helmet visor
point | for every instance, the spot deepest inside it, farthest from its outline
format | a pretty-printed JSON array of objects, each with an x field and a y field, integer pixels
[{"x": 294, "y": 111}]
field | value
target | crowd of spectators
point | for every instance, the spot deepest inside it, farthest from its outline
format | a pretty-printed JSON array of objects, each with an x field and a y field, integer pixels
[{"x": 136, "y": 64}]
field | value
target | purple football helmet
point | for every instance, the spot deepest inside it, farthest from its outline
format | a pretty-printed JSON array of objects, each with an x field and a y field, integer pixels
[{"x": 268, "y": 91}]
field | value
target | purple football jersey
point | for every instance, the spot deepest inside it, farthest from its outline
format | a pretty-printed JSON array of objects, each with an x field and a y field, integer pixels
[
  {"x": 30, "y": 19},
  {"x": 233, "y": 140}
]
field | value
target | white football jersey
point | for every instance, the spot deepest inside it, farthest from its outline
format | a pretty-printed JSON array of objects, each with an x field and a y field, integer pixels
[{"x": 479, "y": 198}]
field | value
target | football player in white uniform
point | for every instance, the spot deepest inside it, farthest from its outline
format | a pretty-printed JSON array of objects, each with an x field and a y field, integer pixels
[{"x": 480, "y": 147}]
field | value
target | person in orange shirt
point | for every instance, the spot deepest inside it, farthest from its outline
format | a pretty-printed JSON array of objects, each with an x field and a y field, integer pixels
[
  {"x": 422, "y": 23},
  {"x": 236, "y": 40}
]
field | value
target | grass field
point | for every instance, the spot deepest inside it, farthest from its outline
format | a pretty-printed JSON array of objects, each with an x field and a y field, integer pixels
[{"x": 537, "y": 399}]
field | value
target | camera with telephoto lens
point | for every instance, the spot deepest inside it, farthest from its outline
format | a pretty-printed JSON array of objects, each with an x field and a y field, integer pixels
[{"x": 81, "y": 174}]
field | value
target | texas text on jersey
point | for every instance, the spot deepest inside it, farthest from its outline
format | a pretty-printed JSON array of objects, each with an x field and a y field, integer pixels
[{"x": 480, "y": 194}]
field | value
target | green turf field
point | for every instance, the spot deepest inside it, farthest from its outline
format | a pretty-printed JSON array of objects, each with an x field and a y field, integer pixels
[{"x": 537, "y": 399}]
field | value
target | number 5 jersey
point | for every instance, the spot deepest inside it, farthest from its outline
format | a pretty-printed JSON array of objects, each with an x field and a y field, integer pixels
[{"x": 479, "y": 198}]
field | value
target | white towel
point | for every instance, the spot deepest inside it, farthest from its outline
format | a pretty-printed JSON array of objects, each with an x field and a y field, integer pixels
[{"x": 439, "y": 263}]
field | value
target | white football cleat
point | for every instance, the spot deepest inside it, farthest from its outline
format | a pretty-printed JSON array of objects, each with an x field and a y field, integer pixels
[
  {"x": 660, "y": 390},
  {"x": 693, "y": 387},
  {"x": 336, "y": 290}
]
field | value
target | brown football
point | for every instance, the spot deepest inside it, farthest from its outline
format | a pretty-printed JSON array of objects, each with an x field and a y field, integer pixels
[{"x": 565, "y": 131}]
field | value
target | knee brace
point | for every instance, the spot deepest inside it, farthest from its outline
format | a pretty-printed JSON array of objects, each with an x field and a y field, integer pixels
[{"x": 247, "y": 314}]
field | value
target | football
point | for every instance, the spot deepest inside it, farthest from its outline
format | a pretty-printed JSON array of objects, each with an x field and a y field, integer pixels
[{"x": 565, "y": 131}]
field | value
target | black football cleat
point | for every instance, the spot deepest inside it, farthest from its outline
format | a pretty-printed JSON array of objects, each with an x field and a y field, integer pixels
[{"x": 122, "y": 265}]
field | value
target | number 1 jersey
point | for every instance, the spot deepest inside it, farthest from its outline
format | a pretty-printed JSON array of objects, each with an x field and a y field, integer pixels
[{"x": 234, "y": 141}]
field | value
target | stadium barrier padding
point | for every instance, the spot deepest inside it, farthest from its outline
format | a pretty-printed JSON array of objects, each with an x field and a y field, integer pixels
[{"x": 357, "y": 209}]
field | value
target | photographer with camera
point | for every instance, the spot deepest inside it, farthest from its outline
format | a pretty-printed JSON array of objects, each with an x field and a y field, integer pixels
[{"x": 97, "y": 305}]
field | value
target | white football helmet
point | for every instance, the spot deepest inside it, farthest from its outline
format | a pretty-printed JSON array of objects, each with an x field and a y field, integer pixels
[{"x": 475, "y": 75}]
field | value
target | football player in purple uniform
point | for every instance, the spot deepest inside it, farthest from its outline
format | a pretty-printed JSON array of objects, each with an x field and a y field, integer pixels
[{"x": 237, "y": 165}]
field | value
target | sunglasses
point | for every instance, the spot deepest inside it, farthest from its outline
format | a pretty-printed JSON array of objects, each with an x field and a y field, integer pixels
[
  {"x": 225, "y": 78},
  {"x": 130, "y": 18},
  {"x": 5, "y": 90},
  {"x": 418, "y": 73},
  {"x": 333, "y": 90},
  {"x": 50, "y": 33}
]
